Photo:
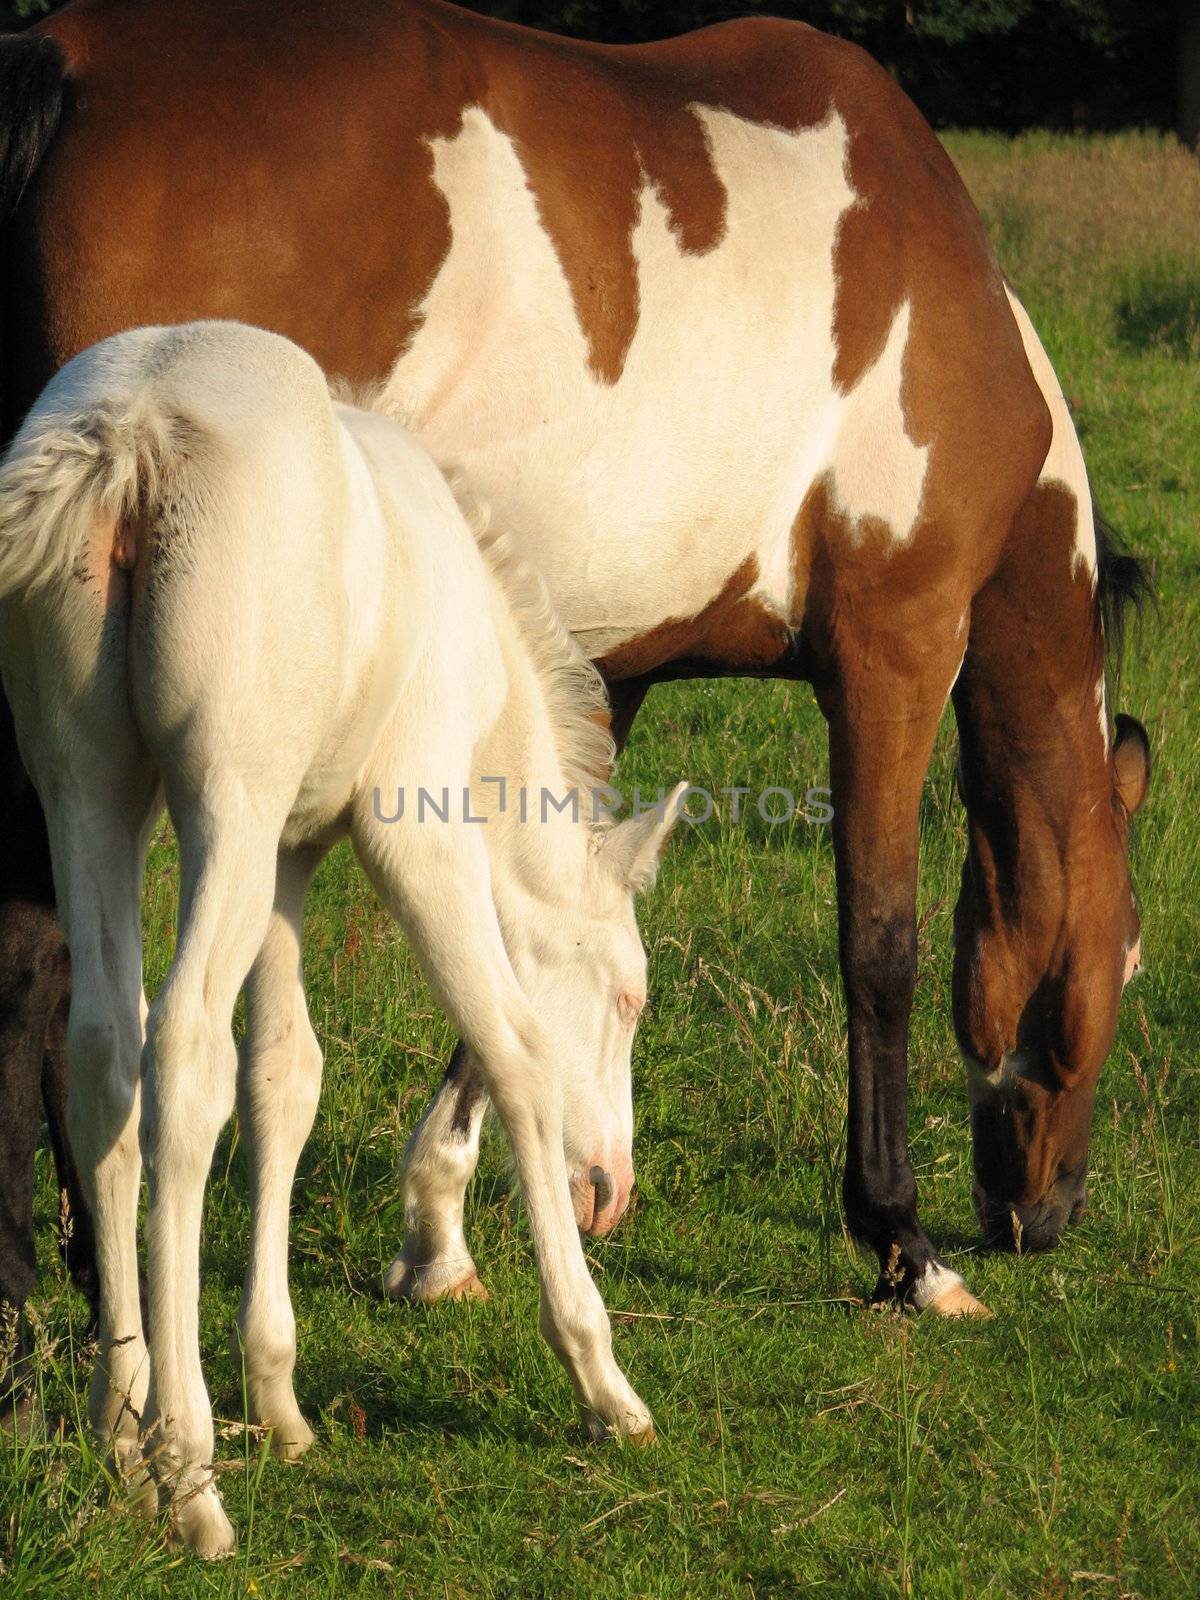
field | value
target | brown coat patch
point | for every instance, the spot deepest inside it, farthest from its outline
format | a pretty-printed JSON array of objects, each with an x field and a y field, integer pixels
[{"x": 733, "y": 633}]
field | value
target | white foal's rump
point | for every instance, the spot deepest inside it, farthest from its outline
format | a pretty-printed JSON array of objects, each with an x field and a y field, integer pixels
[{"x": 222, "y": 589}]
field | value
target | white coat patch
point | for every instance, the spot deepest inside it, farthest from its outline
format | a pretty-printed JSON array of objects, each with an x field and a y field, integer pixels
[
  {"x": 639, "y": 498},
  {"x": 1064, "y": 462}
]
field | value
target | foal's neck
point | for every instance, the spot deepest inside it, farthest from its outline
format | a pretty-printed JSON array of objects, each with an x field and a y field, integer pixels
[{"x": 551, "y": 745}]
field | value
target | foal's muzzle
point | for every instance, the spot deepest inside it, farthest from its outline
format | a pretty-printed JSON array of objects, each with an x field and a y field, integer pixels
[{"x": 600, "y": 1198}]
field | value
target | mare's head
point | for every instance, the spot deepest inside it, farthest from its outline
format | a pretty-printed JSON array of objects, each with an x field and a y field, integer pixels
[
  {"x": 1047, "y": 932},
  {"x": 587, "y": 982}
]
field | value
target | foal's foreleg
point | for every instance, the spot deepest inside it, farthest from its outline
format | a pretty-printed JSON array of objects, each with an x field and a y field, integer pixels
[
  {"x": 883, "y": 717},
  {"x": 279, "y": 1084},
  {"x": 440, "y": 893},
  {"x": 439, "y": 1162}
]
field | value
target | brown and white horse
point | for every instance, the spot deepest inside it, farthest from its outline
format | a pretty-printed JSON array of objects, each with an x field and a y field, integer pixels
[{"x": 714, "y": 323}]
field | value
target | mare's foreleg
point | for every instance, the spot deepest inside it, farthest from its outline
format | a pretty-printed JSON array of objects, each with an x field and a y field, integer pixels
[{"x": 883, "y": 703}]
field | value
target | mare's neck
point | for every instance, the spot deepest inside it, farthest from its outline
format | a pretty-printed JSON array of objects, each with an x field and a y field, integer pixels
[{"x": 1034, "y": 732}]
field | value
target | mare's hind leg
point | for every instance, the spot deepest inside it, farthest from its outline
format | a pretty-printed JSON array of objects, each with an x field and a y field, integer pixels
[
  {"x": 435, "y": 1262},
  {"x": 32, "y": 976},
  {"x": 883, "y": 703},
  {"x": 228, "y": 842},
  {"x": 279, "y": 1084},
  {"x": 30, "y": 948},
  {"x": 76, "y": 1238}
]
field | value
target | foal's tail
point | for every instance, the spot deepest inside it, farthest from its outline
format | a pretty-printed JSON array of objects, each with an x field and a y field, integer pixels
[{"x": 71, "y": 481}]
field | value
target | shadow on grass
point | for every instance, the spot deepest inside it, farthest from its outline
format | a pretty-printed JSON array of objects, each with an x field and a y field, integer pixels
[{"x": 1159, "y": 310}]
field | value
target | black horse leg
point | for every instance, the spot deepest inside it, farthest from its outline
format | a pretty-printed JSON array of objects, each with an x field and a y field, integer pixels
[
  {"x": 31, "y": 958},
  {"x": 76, "y": 1240},
  {"x": 883, "y": 711}
]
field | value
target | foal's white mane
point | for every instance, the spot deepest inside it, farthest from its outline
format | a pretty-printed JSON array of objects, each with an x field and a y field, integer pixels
[
  {"x": 576, "y": 700},
  {"x": 574, "y": 693}
]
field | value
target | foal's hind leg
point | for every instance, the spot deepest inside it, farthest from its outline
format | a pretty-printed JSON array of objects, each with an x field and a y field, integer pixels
[
  {"x": 435, "y": 1263},
  {"x": 98, "y": 865},
  {"x": 227, "y": 849},
  {"x": 279, "y": 1084}
]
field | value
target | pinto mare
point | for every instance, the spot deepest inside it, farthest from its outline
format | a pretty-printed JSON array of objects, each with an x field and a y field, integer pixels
[
  {"x": 715, "y": 326},
  {"x": 222, "y": 587}
]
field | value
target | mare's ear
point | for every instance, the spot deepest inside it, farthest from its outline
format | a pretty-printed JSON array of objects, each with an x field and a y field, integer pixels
[
  {"x": 1131, "y": 763},
  {"x": 633, "y": 849}
]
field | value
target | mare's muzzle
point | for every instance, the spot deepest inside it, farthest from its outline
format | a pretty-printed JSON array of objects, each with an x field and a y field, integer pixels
[{"x": 1016, "y": 1225}]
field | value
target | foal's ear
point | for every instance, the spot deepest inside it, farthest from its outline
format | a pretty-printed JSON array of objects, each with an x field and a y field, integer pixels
[
  {"x": 1131, "y": 763},
  {"x": 633, "y": 849}
]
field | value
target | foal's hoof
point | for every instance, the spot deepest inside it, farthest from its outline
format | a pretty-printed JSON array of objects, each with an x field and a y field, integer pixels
[
  {"x": 628, "y": 1421},
  {"x": 957, "y": 1301},
  {"x": 471, "y": 1288},
  {"x": 291, "y": 1440},
  {"x": 643, "y": 1438},
  {"x": 199, "y": 1521},
  {"x": 426, "y": 1285}
]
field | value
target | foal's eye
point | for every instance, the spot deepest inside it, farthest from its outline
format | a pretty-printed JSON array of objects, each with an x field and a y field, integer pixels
[{"x": 629, "y": 1006}]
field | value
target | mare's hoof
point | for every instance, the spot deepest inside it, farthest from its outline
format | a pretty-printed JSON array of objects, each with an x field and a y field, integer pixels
[{"x": 957, "y": 1301}]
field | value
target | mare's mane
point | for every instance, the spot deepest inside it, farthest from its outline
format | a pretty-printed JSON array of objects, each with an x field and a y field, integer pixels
[{"x": 1124, "y": 587}]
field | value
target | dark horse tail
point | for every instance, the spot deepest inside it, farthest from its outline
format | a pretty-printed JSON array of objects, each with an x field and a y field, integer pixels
[{"x": 33, "y": 78}]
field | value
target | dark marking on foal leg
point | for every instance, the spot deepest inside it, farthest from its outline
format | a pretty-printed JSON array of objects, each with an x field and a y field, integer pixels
[{"x": 464, "y": 1079}]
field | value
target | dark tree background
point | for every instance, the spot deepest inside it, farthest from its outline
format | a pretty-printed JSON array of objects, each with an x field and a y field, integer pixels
[{"x": 984, "y": 63}]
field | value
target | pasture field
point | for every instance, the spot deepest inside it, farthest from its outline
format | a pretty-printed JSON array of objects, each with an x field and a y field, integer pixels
[{"x": 805, "y": 1443}]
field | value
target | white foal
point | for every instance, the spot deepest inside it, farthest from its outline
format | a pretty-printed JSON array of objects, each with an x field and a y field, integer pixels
[{"x": 224, "y": 588}]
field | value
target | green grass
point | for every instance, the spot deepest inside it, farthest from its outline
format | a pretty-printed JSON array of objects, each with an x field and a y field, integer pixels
[{"x": 805, "y": 1443}]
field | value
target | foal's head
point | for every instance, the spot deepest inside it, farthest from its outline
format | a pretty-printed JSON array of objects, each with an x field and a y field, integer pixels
[
  {"x": 1047, "y": 932},
  {"x": 588, "y": 984}
]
